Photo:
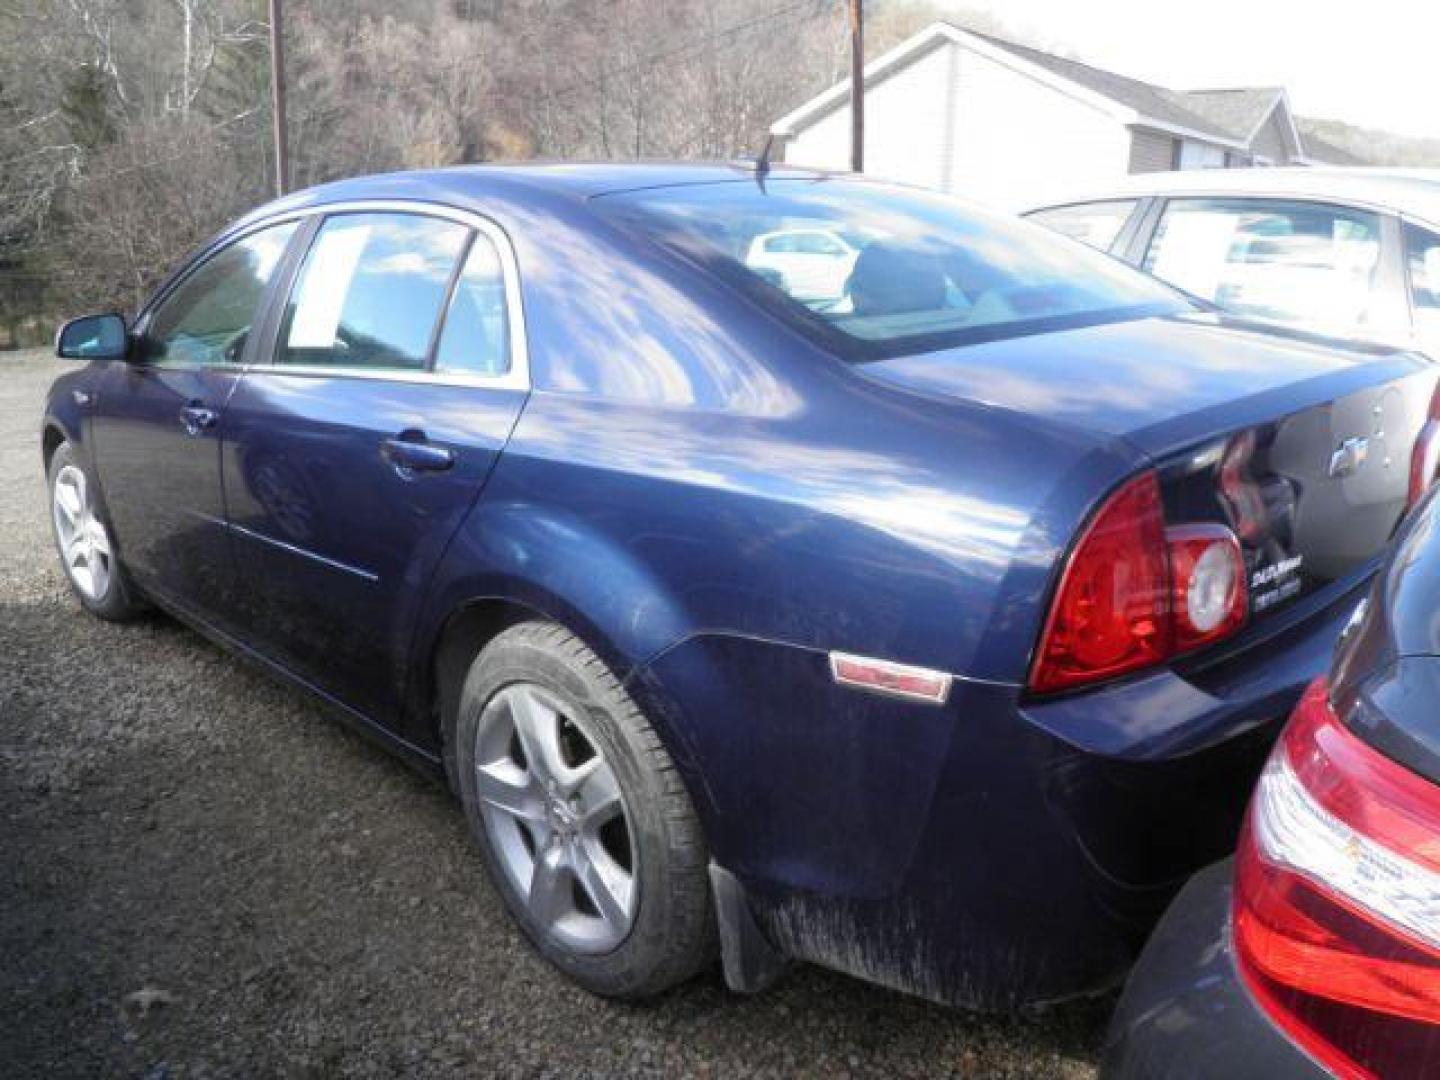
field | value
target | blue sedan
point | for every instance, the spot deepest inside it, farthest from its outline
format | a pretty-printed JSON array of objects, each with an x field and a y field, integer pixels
[{"x": 776, "y": 565}]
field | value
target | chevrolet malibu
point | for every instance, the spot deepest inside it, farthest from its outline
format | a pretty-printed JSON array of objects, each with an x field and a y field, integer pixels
[{"x": 934, "y": 631}]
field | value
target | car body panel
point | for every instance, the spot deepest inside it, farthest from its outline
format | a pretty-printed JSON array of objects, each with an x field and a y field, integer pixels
[
  {"x": 334, "y": 545},
  {"x": 161, "y": 478},
  {"x": 1186, "y": 1011}
]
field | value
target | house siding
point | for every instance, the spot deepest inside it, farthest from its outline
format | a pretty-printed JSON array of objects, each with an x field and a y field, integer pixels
[
  {"x": 1151, "y": 151},
  {"x": 958, "y": 121},
  {"x": 906, "y": 117}
]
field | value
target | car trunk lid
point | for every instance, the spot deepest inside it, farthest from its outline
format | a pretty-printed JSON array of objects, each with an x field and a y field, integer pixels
[{"x": 1299, "y": 444}]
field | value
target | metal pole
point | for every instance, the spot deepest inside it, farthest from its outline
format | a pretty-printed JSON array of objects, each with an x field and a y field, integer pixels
[
  {"x": 857, "y": 88},
  {"x": 277, "y": 98}
]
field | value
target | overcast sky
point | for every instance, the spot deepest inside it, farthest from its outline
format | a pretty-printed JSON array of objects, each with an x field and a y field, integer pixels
[{"x": 1375, "y": 63}]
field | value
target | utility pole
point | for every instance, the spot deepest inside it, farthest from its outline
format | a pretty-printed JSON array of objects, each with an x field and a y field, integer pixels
[
  {"x": 277, "y": 98},
  {"x": 857, "y": 88}
]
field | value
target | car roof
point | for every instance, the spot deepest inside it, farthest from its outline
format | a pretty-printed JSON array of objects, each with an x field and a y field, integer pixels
[
  {"x": 464, "y": 184},
  {"x": 1414, "y": 192}
]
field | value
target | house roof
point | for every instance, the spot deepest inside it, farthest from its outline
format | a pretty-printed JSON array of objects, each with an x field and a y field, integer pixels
[
  {"x": 1238, "y": 110},
  {"x": 1228, "y": 116},
  {"x": 1153, "y": 103}
]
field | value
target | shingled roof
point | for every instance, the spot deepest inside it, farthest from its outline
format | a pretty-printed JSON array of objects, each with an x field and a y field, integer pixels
[{"x": 1207, "y": 115}]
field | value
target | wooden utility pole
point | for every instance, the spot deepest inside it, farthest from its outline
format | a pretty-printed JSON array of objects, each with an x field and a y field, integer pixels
[
  {"x": 857, "y": 88},
  {"x": 277, "y": 98}
]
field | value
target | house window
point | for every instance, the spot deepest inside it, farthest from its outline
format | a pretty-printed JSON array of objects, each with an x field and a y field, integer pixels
[{"x": 1199, "y": 155}]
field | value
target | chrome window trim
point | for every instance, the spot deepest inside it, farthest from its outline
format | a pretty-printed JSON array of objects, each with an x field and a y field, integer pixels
[{"x": 517, "y": 378}]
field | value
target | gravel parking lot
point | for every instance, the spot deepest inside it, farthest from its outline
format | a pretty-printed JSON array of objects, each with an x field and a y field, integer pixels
[{"x": 202, "y": 874}]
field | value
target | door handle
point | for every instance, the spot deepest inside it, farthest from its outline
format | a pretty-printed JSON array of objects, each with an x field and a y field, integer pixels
[
  {"x": 197, "y": 418},
  {"x": 410, "y": 452}
]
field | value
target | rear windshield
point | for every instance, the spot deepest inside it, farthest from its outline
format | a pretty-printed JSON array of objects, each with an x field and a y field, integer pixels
[{"x": 877, "y": 270}]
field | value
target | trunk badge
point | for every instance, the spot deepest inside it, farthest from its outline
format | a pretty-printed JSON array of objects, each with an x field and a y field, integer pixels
[{"x": 1349, "y": 456}]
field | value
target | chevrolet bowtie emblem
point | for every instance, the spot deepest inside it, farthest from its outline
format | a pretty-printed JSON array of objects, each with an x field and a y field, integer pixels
[{"x": 1349, "y": 456}]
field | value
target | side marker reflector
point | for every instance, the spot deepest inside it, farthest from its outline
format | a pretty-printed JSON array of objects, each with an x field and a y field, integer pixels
[{"x": 884, "y": 677}]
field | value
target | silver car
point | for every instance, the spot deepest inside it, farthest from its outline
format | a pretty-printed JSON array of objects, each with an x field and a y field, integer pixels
[{"x": 1348, "y": 252}]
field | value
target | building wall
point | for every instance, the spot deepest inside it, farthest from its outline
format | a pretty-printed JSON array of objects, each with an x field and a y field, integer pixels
[
  {"x": 1151, "y": 151},
  {"x": 906, "y": 120},
  {"x": 1019, "y": 142},
  {"x": 961, "y": 122}
]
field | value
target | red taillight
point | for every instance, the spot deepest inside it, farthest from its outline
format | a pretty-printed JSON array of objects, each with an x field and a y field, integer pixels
[
  {"x": 1425, "y": 455},
  {"x": 1111, "y": 613},
  {"x": 1208, "y": 595},
  {"x": 1337, "y": 899},
  {"x": 1134, "y": 594}
]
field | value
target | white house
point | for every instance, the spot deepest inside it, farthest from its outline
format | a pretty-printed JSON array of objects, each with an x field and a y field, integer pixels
[{"x": 1006, "y": 124}]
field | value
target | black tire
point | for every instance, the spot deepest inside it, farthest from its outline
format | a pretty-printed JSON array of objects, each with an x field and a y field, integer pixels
[
  {"x": 673, "y": 933},
  {"x": 121, "y": 600}
]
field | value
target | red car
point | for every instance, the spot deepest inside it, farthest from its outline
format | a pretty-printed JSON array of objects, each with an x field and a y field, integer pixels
[{"x": 1316, "y": 950}]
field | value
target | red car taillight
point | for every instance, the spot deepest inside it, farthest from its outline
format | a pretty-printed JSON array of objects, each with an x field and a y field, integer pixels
[
  {"x": 1337, "y": 899},
  {"x": 1425, "y": 455},
  {"x": 1135, "y": 593}
]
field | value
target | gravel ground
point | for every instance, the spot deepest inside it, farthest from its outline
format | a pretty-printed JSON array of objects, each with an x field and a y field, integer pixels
[{"x": 201, "y": 874}]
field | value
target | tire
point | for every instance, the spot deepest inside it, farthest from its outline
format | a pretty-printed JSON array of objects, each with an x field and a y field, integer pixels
[
  {"x": 541, "y": 671},
  {"x": 98, "y": 578}
]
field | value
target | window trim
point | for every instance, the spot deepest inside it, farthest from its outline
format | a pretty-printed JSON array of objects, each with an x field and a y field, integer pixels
[{"x": 260, "y": 350}]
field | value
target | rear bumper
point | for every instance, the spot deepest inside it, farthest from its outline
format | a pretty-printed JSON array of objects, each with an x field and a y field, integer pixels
[
  {"x": 993, "y": 853},
  {"x": 1185, "y": 1011}
]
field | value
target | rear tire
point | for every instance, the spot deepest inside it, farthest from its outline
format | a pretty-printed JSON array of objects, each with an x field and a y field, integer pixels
[
  {"x": 608, "y": 880},
  {"x": 85, "y": 541}
]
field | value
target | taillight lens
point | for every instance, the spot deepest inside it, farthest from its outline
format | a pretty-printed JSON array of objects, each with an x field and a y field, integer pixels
[
  {"x": 1208, "y": 596},
  {"x": 1425, "y": 455},
  {"x": 1111, "y": 612},
  {"x": 1134, "y": 593},
  {"x": 1337, "y": 899}
]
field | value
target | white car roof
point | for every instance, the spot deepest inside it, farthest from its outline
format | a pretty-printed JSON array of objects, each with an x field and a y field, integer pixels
[{"x": 1413, "y": 192}]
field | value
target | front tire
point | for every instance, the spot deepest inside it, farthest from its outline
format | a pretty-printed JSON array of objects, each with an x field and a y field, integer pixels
[
  {"x": 586, "y": 827},
  {"x": 85, "y": 543}
]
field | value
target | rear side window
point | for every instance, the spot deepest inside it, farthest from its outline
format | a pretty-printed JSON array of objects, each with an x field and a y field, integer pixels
[
  {"x": 207, "y": 318},
  {"x": 1422, "y": 259},
  {"x": 917, "y": 271},
  {"x": 370, "y": 292},
  {"x": 1097, "y": 224},
  {"x": 1291, "y": 262},
  {"x": 476, "y": 337}
]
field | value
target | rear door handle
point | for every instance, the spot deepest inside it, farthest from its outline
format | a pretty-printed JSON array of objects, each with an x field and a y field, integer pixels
[
  {"x": 410, "y": 452},
  {"x": 197, "y": 418}
]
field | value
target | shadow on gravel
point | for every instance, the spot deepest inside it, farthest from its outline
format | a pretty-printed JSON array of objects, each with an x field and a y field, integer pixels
[{"x": 206, "y": 875}]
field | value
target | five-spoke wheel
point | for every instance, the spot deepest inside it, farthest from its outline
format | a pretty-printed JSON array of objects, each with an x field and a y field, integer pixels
[{"x": 556, "y": 818}]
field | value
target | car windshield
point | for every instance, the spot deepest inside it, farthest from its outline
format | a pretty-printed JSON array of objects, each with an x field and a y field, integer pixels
[{"x": 879, "y": 271}]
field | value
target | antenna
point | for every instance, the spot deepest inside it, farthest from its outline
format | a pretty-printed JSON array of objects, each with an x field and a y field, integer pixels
[{"x": 762, "y": 163}]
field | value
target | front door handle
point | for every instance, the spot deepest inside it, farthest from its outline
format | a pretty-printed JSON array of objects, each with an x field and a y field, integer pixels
[
  {"x": 197, "y": 418},
  {"x": 411, "y": 452}
]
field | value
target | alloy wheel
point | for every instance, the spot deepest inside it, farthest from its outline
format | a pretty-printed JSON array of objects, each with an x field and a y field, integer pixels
[
  {"x": 556, "y": 819},
  {"x": 84, "y": 543}
]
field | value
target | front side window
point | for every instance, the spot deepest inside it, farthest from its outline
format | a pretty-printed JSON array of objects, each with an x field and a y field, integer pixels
[
  {"x": 1290, "y": 262},
  {"x": 370, "y": 292},
  {"x": 922, "y": 271},
  {"x": 207, "y": 318},
  {"x": 1096, "y": 224}
]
